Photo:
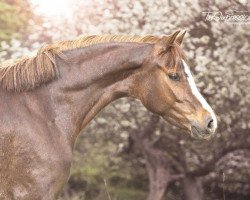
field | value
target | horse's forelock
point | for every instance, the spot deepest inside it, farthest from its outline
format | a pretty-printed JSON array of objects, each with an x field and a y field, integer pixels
[{"x": 170, "y": 57}]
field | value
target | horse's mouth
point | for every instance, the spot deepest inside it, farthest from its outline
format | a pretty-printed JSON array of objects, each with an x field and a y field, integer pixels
[
  {"x": 196, "y": 132},
  {"x": 201, "y": 134}
]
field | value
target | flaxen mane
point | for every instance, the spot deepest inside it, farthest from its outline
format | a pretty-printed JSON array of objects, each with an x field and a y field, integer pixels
[{"x": 28, "y": 73}]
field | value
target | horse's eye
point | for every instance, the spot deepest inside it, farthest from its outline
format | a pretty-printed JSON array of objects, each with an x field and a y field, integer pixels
[{"x": 174, "y": 77}]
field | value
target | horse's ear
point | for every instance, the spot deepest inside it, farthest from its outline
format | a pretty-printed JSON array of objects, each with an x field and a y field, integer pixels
[
  {"x": 168, "y": 40},
  {"x": 180, "y": 38},
  {"x": 171, "y": 39},
  {"x": 163, "y": 45}
]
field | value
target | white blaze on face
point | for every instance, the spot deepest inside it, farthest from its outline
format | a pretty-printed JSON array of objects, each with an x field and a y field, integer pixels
[{"x": 197, "y": 94}]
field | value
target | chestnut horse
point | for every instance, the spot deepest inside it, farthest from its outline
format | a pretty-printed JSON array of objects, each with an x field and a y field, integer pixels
[{"x": 46, "y": 100}]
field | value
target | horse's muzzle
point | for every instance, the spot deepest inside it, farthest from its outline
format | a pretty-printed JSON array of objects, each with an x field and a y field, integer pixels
[{"x": 203, "y": 130}]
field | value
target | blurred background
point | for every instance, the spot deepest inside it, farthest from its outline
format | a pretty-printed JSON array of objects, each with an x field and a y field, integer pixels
[{"x": 126, "y": 153}]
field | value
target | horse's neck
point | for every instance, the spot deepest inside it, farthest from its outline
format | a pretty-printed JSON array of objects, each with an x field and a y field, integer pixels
[{"x": 94, "y": 76}]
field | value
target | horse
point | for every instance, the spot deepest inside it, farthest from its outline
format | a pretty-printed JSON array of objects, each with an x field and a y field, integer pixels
[{"x": 46, "y": 100}]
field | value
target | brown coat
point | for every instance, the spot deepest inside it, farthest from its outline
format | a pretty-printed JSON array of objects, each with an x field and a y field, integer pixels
[{"x": 45, "y": 101}]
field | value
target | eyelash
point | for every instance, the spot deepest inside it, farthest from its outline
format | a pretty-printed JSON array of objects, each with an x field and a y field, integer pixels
[{"x": 174, "y": 77}]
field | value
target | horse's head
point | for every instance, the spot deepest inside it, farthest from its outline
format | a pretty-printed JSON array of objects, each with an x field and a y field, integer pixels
[{"x": 167, "y": 87}]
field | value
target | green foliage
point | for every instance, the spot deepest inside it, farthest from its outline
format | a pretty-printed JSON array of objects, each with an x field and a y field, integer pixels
[
  {"x": 13, "y": 18},
  {"x": 127, "y": 193}
]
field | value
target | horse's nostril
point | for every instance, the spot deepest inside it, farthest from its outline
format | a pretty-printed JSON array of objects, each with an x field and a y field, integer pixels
[{"x": 210, "y": 124}]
